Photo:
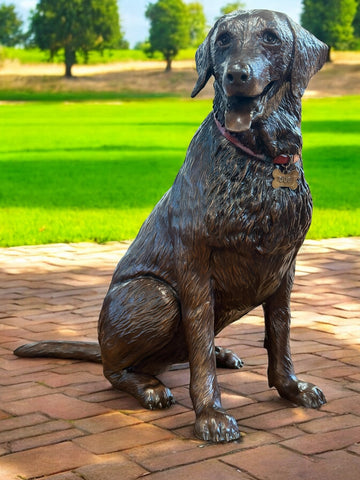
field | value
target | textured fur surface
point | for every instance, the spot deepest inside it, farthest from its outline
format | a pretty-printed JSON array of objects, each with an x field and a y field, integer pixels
[{"x": 222, "y": 240}]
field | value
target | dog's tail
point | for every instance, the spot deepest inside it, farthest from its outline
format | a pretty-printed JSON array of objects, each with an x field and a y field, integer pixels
[{"x": 88, "y": 351}]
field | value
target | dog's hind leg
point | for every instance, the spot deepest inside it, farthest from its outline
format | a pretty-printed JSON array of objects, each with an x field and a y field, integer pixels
[{"x": 138, "y": 321}]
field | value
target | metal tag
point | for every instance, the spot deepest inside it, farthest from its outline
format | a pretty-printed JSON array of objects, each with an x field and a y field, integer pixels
[{"x": 285, "y": 179}]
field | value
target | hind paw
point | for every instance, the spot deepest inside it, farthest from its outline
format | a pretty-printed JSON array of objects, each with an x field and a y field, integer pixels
[
  {"x": 225, "y": 358},
  {"x": 157, "y": 397}
]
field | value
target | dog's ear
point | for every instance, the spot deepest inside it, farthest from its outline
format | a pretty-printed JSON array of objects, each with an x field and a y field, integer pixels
[
  {"x": 203, "y": 64},
  {"x": 309, "y": 55}
]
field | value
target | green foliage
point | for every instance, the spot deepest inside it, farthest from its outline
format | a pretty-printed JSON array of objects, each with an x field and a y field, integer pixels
[
  {"x": 356, "y": 23},
  {"x": 10, "y": 26},
  {"x": 197, "y": 21},
  {"x": 75, "y": 26},
  {"x": 169, "y": 28},
  {"x": 93, "y": 172},
  {"x": 231, "y": 7},
  {"x": 331, "y": 21}
]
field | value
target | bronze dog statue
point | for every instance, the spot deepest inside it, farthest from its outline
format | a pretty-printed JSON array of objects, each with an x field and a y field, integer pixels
[{"x": 224, "y": 238}]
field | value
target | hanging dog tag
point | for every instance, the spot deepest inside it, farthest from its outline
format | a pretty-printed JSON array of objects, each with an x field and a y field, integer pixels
[{"x": 285, "y": 179}]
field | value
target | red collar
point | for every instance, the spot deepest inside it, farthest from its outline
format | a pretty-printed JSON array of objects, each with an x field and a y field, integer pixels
[{"x": 282, "y": 159}]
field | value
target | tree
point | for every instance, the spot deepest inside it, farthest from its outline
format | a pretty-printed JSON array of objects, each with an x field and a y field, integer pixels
[
  {"x": 356, "y": 23},
  {"x": 75, "y": 26},
  {"x": 10, "y": 26},
  {"x": 169, "y": 28},
  {"x": 331, "y": 21},
  {"x": 231, "y": 7},
  {"x": 197, "y": 23}
]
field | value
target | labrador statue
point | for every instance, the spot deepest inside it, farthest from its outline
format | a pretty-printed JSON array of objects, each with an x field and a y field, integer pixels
[{"x": 224, "y": 239}]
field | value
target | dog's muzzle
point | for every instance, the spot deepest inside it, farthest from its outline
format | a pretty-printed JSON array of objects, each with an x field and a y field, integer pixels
[
  {"x": 239, "y": 81},
  {"x": 243, "y": 87}
]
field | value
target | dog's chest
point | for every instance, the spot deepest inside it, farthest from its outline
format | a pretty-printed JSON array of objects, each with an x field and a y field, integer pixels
[
  {"x": 254, "y": 232},
  {"x": 245, "y": 211},
  {"x": 242, "y": 281}
]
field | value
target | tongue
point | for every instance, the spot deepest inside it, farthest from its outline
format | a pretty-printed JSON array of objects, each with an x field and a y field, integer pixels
[
  {"x": 239, "y": 113},
  {"x": 237, "y": 120}
]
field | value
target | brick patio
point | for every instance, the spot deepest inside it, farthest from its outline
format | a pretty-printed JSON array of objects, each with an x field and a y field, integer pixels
[{"x": 61, "y": 420}]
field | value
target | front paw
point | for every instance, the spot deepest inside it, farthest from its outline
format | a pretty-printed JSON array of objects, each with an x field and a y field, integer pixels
[
  {"x": 215, "y": 425},
  {"x": 303, "y": 394}
]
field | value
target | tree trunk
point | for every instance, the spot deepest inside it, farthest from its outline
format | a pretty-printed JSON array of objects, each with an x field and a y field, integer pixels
[
  {"x": 70, "y": 60},
  {"x": 168, "y": 65}
]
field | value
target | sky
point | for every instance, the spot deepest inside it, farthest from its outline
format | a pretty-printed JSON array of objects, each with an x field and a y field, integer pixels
[{"x": 135, "y": 25}]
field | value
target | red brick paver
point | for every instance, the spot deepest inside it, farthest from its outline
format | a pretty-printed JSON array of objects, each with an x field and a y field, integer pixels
[{"x": 61, "y": 420}]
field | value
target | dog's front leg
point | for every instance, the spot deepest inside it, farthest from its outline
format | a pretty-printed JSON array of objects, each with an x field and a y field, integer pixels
[
  {"x": 212, "y": 422},
  {"x": 277, "y": 342}
]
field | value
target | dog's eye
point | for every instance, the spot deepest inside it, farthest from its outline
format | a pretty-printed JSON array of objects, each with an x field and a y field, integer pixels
[
  {"x": 270, "y": 38},
  {"x": 223, "y": 39}
]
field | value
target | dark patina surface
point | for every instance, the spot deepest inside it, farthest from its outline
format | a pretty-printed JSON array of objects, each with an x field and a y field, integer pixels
[{"x": 224, "y": 238}]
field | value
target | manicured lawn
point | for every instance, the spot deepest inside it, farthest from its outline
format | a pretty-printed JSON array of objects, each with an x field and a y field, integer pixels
[
  {"x": 74, "y": 172},
  {"x": 93, "y": 171},
  {"x": 35, "y": 55},
  {"x": 331, "y": 129}
]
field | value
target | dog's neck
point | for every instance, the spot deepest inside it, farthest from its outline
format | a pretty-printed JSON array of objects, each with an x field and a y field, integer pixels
[
  {"x": 282, "y": 159},
  {"x": 274, "y": 133}
]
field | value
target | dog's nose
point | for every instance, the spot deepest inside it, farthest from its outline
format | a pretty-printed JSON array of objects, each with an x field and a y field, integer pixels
[{"x": 239, "y": 74}]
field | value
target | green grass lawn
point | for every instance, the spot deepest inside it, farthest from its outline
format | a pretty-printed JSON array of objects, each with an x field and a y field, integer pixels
[
  {"x": 93, "y": 171},
  {"x": 331, "y": 129},
  {"x": 35, "y": 55}
]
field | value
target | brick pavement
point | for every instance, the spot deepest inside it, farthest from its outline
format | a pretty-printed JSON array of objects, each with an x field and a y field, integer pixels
[{"x": 61, "y": 420}]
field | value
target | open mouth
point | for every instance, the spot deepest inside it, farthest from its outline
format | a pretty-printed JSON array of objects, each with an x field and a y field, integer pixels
[{"x": 241, "y": 110}]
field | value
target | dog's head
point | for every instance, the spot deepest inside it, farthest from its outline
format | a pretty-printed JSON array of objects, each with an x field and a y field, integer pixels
[{"x": 251, "y": 56}]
